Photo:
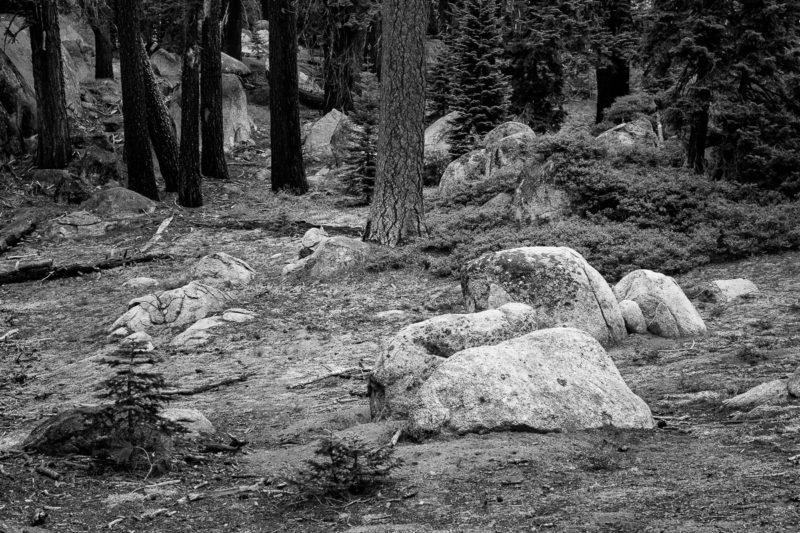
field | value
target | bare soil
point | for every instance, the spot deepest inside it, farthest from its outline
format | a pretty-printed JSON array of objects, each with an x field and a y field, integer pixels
[{"x": 703, "y": 470}]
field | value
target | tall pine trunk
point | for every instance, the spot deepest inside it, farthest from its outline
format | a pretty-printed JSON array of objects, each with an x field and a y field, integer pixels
[
  {"x": 160, "y": 126},
  {"x": 284, "y": 104},
  {"x": 189, "y": 192},
  {"x": 48, "y": 79},
  {"x": 232, "y": 38},
  {"x": 344, "y": 58},
  {"x": 397, "y": 212},
  {"x": 104, "y": 51},
  {"x": 213, "y": 157},
  {"x": 141, "y": 176}
]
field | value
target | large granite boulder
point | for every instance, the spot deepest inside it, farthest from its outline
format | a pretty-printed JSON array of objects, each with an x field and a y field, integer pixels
[
  {"x": 636, "y": 133},
  {"x": 418, "y": 349},
  {"x": 78, "y": 430},
  {"x": 557, "y": 379},
  {"x": 199, "y": 334},
  {"x": 236, "y": 123},
  {"x": 176, "y": 307},
  {"x": 318, "y": 142},
  {"x": 166, "y": 64},
  {"x": 330, "y": 257},
  {"x": 437, "y": 139},
  {"x": 665, "y": 307},
  {"x": 18, "y": 51},
  {"x": 508, "y": 155},
  {"x": 231, "y": 65},
  {"x": 556, "y": 281}
]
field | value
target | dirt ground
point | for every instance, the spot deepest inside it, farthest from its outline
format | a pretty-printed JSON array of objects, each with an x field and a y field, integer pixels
[{"x": 704, "y": 469}]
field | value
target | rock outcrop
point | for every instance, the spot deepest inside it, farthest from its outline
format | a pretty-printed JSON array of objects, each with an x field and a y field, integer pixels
[
  {"x": 727, "y": 290},
  {"x": 330, "y": 257},
  {"x": 556, "y": 281},
  {"x": 222, "y": 270}
]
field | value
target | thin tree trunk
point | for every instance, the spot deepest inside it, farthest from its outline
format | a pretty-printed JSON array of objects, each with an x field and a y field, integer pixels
[
  {"x": 613, "y": 81},
  {"x": 697, "y": 140},
  {"x": 397, "y": 211},
  {"x": 189, "y": 191},
  {"x": 104, "y": 52},
  {"x": 48, "y": 79},
  {"x": 232, "y": 38},
  {"x": 213, "y": 157},
  {"x": 163, "y": 136},
  {"x": 284, "y": 106},
  {"x": 141, "y": 176},
  {"x": 344, "y": 58}
]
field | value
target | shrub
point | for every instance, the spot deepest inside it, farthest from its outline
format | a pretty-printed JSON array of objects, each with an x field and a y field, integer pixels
[{"x": 347, "y": 466}]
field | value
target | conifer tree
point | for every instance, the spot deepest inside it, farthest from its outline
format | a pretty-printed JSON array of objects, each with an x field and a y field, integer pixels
[{"x": 480, "y": 87}]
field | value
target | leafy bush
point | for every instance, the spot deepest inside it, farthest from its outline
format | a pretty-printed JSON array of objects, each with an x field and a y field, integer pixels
[{"x": 347, "y": 466}]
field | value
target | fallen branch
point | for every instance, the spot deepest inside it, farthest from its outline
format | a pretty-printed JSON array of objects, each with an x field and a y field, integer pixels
[
  {"x": 48, "y": 472},
  {"x": 16, "y": 230},
  {"x": 207, "y": 386},
  {"x": 41, "y": 270},
  {"x": 195, "y": 496},
  {"x": 157, "y": 236},
  {"x": 349, "y": 373}
]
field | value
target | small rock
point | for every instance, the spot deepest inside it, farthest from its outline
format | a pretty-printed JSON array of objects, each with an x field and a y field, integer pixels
[
  {"x": 192, "y": 420},
  {"x": 633, "y": 317},
  {"x": 393, "y": 315},
  {"x": 119, "y": 202},
  {"x": 770, "y": 393},
  {"x": 313, "y": 237},
  {"x": 138, "y": 342},
  {"x": 793, "y": 386},
  {"x": 238, "y": 316},
  {"x": 222, "y": 270},
  {"x": 332, "y": 257},
  {"x": 141, "y": 283},
  {"x": 726, "y": 290}
]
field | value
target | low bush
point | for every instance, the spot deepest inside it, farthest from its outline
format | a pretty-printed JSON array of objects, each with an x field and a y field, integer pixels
[{"x": 630, "y": 212}]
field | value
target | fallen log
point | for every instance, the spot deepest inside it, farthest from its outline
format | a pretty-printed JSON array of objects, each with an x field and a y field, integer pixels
[
  {"x": 42, "y": 270},
  {"x": 16, "y": 230},
  {"x": 206, "y": 387},
  {"x": 311, "y": 99}
]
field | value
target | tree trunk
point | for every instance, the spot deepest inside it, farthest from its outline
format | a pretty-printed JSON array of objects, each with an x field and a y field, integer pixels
[
  {"x": 18, "y": 102},
  {"x": 344, "y": 58},
  {"x": 141, "y": 176},
  {"x": 189, "y": 192},
  {"x": 397, "y": 211},
  {"x": 696, "y": 153},
  {"x": 287, "y": 152},
  {"x": 213, "y": 157},
  {"x": 232, "y": 38},
  {"x": 163, "y": 136},
  {"x": 104, "y": 52},
  {"x": 48, "y": 79},
  {"x": 613, "y": 81}
]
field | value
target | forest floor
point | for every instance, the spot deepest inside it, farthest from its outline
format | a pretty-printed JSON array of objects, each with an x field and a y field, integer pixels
[{"x": 703, "y": 470}]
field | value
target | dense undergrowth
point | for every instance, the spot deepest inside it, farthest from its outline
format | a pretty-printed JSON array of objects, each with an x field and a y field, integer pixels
[{"x": 633, "y": 208}]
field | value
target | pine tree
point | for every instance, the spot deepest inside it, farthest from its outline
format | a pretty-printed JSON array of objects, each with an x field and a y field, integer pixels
[
  {"x": 480, "y": 86},
  {"x": 359, "y": 168},
  {"x": 440, "y": 84}
]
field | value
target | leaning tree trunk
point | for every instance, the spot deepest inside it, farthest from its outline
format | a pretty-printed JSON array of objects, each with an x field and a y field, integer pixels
[
  {"x": 163, "y": 136},
  {"x": 284, "y": 105},
  {"x": 232, "y": 39},
  {"x": 397, "y": 211},
  {"x": 213, "y": 156},
  {"x": 48, "y": 79},
  {"x": 613, "y": 81},
  {"x": 141, "y": 176},
  {"x": 189, "y": 192},
  {"x": 104, "y": 52}
]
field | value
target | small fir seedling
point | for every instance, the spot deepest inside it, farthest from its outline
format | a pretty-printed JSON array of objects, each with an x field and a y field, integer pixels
[
  {"x": 135, "y": 430},
  {"x": 347, "y": 467}
]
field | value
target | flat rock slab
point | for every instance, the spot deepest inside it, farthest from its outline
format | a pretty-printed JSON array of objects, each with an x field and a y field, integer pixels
[
  {"x": 665, "y": 307},
  {"x": 330, "y": 258},
  {"x": 558, "y": 379},
  {"x": 556, "y": 281},
  {"x": 199, "y": 334},
  {"x": 75, "y": 225}
]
